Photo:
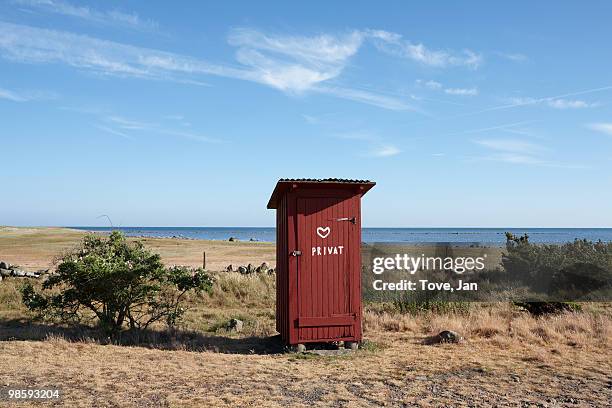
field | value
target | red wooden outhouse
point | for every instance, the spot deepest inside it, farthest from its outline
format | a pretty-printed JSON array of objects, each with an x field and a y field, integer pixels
[{"x": 318, "y": 259}]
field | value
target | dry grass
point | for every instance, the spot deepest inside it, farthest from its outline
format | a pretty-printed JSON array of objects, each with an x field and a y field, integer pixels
[
  {"x": 504, "y": 325},
  {"x": 508, "y": 358},
  {"x": 401, "y": 370},
  {"x": 36, "y": 248}
]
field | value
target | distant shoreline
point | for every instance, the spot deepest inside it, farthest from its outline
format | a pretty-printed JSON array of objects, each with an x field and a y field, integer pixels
[{"x": 474, "y": 236}]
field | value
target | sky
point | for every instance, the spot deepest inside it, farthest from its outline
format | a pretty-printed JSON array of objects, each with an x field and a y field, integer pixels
[{"x": 476, "y": 114}]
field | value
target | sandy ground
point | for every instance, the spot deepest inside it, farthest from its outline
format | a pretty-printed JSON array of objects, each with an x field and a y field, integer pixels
[{"x": 405, "y": 373}]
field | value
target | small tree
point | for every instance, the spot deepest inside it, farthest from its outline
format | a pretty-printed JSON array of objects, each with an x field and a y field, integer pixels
[{"x": 115, "y": 282}]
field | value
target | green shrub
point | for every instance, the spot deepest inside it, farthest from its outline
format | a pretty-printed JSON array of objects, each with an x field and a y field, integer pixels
[
  {"x": 556, "y": 274},
  {"x": 115, "y": 282}
]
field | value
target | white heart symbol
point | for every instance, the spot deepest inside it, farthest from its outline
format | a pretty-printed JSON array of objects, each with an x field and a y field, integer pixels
[{"x": 323, "y": 232}]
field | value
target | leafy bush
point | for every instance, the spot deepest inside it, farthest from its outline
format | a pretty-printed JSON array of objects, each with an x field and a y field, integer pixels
[
  {"x": 115, "y": 282},
  {"x": 574, "y": 268},
  {"x": 579, "y": 270}
]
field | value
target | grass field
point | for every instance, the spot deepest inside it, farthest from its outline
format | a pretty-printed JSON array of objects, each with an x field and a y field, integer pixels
[
  {"x": 508, "y": 358},
  {"x": 35, "y": 248}
]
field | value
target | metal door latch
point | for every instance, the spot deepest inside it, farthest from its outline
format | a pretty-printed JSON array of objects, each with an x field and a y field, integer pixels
[
  {"x": 352, "y": 220},
  {"x": 296, "y": 253}
]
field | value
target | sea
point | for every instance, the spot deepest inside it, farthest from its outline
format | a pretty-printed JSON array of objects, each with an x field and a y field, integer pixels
[{"x": 479, "y": 236}]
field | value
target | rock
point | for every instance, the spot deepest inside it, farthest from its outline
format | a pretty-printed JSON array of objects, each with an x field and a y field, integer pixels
[
  {"x": 18, "y": 273},
  {"x": 242, "y": 270},
  {"x": 232, "y": 239},
  {"x": 229, "y": 268},
  {"x": 31, "y": 275},
  {"x": 271, "y": 271},
  {"x": 250, "y": 268},
  {"x": 5, "y": 272},
  {"x": 263, "y": 268},
  {"x": 4, "y": 265},
  {"x": 448, "y": 336},
  {"x": 445, "y": 336},
  {"x": 235, "y": 325},
  {"x": 1, "y": 278}
]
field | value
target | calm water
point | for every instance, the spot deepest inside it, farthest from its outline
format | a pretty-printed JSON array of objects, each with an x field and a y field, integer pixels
[{"x": 408, "y": 235}]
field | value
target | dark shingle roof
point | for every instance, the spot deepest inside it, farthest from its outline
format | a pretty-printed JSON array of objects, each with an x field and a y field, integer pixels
[
  {"x": 284, "y": 184},
  {"x": 326, "y": 180}
]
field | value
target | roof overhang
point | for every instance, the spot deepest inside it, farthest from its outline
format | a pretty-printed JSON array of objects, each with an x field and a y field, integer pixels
[{"x": 284, "y": 185}]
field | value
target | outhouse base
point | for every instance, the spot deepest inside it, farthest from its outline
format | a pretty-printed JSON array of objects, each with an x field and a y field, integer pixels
[
  {"x": 330, "y": 340},
  {"x": 348, "y": 345}
]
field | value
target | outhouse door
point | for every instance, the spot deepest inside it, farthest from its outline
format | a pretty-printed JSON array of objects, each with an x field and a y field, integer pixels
[{"x": 326, "y": 235}]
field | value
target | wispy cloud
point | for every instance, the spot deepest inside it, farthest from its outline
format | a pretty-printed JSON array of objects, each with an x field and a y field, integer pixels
[
  {"x": 313, "y": 120},
  {"x": 438, "y": 86},
  {"x": 462, "y": 91},
  {"x": 361, "y": 135},
  {"x": 128, "y": 128},
  {"x": 519, "y": 102},
  {"x": 515, "y": 159},
  {"x": 12, "y": 96},
  {"x": 298, "y": 64},
  {"x": 512, "y": 151},
  {"x": 601, "y": 127},
  {"x": 376, "y": 145},
  {"x": 370, "y": 98},
  {"x": 25, "y": 96},
  {"x": 396, "y": 45},
  {"x": 570, "y": 104},
  {"x": 385, "y": 151},
  {"x": 429, "y": 84},
  {"x": 510, "y": 145},
  {"x": 515, "y": 57},
  {"x": 114, "y": 132},
  {"x": 517, "y": 151},
  {"x": 180, "y": 119},
  {"x": 129, "y": 124},
  {"x": 292, "y": 64},
  {"x": 503, "y": 127},
  {"x": 556, "y": 103},
  {"x": 34, "y": 45},
  {"x": 111, "y": 17}
]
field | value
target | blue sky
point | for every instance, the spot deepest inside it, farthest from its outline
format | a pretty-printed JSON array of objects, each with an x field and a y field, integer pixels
[{"x": 472, "y": 114}]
